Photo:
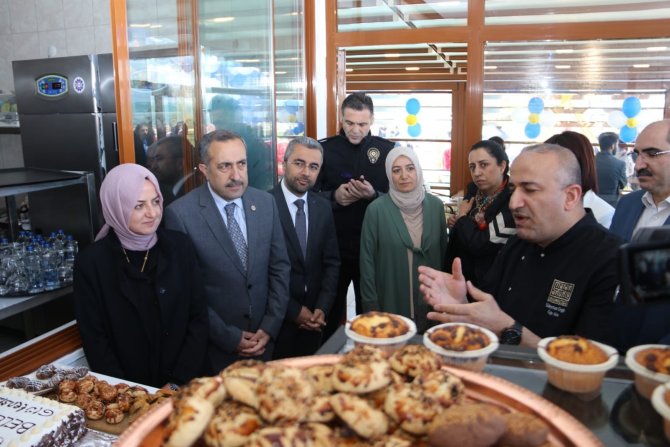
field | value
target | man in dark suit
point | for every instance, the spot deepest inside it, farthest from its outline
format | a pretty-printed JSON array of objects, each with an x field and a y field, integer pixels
[
  {"x": 241, "y": 250},
  {"x": 650, "y": 206},
  {"x": 610, "y": 170},
  {"x": 311, "y": 242}
]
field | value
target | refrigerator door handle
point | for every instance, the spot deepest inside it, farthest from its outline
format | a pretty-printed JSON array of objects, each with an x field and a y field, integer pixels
[{"x": 115, "y": 135}]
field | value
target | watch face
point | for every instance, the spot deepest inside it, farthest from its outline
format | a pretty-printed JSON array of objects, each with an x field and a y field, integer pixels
[{"x": 510, "y": 336}]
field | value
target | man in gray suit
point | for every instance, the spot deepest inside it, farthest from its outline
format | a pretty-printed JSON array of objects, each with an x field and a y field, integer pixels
[{"x": 240, "y": 246}]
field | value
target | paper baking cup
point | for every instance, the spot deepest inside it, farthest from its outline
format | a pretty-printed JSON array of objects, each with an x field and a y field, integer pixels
[
  {"x": 474, "y": 360},
  {"x": 386, "y": 345},
  {"x": 645, "y": 379},
  {"x": 574, "y": 377},
  {"x": 661, "y": 406}
]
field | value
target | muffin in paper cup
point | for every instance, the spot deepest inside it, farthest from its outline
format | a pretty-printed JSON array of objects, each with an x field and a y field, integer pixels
[
  {"x": 660, "y": 399},
  {"x": 575, "y": 377},
  {"x": 646, "y": 380},
  {"x": 473, "y": 359},
  {"x": 388, "y": 345}
]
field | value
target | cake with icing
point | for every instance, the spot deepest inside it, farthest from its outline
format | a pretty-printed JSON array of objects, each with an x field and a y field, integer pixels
[{"x": 27, "y": 420}]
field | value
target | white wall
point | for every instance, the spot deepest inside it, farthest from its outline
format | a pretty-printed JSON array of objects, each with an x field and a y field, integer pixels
[{"x": 29, "y": 27}]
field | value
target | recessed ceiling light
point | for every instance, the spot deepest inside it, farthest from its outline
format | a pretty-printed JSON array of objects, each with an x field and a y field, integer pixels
[
  {"x": 641, "y": 65},
  {"x": 349, "y": 70},
  {"x": 140, "y": 25},
  {"x": 490, "y": 67},
  {"x": 280, "y": 72},
  {"x": 389, "y": 55},
  {"x": 565, "y": 50},
  {"x": 222, "y": 19},
  {"x": 412, "y": 68},
  {"x": 248, "y": 61},
  {"x": 657, "y": 48},
  {"x": 563, "y": 67}
]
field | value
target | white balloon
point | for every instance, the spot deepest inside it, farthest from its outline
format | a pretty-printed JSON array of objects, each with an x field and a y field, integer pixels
[
  {"x": 617, "y": 119},
  {"x": 547, "y": 118}
]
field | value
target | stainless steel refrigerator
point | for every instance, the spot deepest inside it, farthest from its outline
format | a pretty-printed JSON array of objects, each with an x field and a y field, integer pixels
[{"x": 67, "y": 117}]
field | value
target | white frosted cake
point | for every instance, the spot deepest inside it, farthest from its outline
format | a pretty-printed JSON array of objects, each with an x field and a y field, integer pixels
[{"x": 32, "y": 421}]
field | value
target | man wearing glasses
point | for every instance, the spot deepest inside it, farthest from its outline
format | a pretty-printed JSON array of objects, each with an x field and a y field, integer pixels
[
  {"x": 650, "y": 206},
  {"x": 311, "y": 243}
]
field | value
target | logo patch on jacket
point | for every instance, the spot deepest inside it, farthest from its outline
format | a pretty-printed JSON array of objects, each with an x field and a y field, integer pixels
[
  {"x": 559, "y": 297},
  {"x": 373, "y": 154}
]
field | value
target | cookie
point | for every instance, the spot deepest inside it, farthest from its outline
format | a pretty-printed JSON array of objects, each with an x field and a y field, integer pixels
[
  {"x": 321, "y": 377},
  {"x": 524, "y": 430},
  {"x": 209, "y": 388},
  {"x": 414, "y": 360},
  {"x": 284, "y": 395},
  {"x": 241, "y": 379},
  {"x": 408, "y": 406},
  {"x": 474, "y": 425},
  {"x": 359, "y": 415},
  {"x": 441, "y": 387},
  {"x": 188, "y": 421},
  {"x": 361, "y": 370},
  {"x": 232, "y": 425},
  {"x": 321, "y": 410}
]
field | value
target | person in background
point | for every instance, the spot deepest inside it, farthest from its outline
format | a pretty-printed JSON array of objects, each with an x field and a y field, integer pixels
[
  {"x": 484, "y": 223},
  {"x": 311, "y": 243},
  {"x": 138, "y": 294},
  {"x": 650, "y": 206},
  {"x": 240, "y": 246},
  {"x": 583, "y": 150},
  {"x": 352, "y": 176},
  {"x": 611, "y": 172},
  {"x": 146, "y": 133},
  {"x": 166, "y": 160},
  {"x": 554, "y": 277},
  {"x": 402, "y": 230}
]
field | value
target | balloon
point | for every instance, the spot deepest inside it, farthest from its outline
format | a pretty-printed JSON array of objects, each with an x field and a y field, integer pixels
[
  {"x": 631, "y": 106},
  {"x": 631, "y": 122},
  {"x": 533, "y": 118},
  {"x": 292, "y": 118},
  {"x": 414, "y": 131},
  {"x": 412, "y": 106},
  {"x": 411, "y": 120},
  {"x": 616, "y": 119},
  {"x": 520, "y": 116},
  {"x": 548, "y": 118},
  {"x": 532, "y": 130},
  {"x": 628, "y": 134},
  {"x": 299, "y": 129},
  {"x": 535, "y": 105}
]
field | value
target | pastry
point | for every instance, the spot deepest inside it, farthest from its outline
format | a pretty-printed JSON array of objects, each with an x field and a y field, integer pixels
[
  {"x": 187, "y": 422},
  {"x": 321, "y": 377},
  {"x": 459, "y": 338},
  {"x": 441, "y": 387},
  {"x": 655, "y": 359},
  {"x": 576, "y": 349},
  {"x": 321, "y": 410},
  {"x": 361, "y": 370},
  {"x": 379, "y": 325},
  {"x": 241, "y": 380},
  {"x": 232, "y": 425},
  {"x": 474, "y": 425},
  {"x": 524, "y": 430},
  {"x": 359, "y": 415},
  {"x": 284, "y": 395},
  {"x": 413, "y": 360},
  {"x": 412, "y": 409}
]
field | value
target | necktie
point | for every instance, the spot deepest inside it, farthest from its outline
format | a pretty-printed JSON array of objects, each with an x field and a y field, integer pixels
[
  {"x": 236, "y": 234},
  {"x": 301, "y": 226}
]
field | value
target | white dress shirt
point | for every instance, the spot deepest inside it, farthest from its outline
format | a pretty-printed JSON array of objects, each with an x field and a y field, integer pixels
[
  {"x": 653, "y": 215},
  {"x": 239, "y": 211},
  {"x": 292, "y": 208}
]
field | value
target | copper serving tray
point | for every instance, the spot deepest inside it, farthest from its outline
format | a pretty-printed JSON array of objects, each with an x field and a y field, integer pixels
[{"x": 564, "y": 430}]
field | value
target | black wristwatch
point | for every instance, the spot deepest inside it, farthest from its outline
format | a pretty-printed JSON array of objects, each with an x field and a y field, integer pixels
[{"x": 511, "y": 335}]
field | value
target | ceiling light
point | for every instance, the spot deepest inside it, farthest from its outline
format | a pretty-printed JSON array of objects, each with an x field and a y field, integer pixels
[
  {"x": 565, "y": 51},
  {"x": 657, "y": 48},
  {"x": 248, "y": 61},
  {"x": 412, "y": 68},
  {"x": 280, "y": 72},
  {"x": 490, "y": 67},
  {"x": 392, "y": 55},
  {"x": 349, "y": 70},
  {"x": 563, "y": 67},
  {"x": 640, "y": 65},
  {"x": 140, "y": 25},
  {"x": 222, "y": 19}
]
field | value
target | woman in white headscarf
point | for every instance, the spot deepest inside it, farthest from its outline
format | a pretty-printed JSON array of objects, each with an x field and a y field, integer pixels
[{"x": 401, "y": 231}]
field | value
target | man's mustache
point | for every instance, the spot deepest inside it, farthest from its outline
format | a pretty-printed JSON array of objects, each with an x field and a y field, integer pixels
[
  {"x": 643, "y": 172},
  {"x": 234, "y": 183}
]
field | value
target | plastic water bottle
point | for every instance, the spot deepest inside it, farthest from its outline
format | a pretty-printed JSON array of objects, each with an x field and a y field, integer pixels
[
  {"x": 70, "y": 250},
  {"x": 50, "y": 268},
  {"x": 33, "y": 268}
]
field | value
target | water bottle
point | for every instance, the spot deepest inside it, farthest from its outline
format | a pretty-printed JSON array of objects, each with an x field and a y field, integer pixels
[
  {"x": 33, "y": 269},
  {"x": 70, "y": 250},
  {"x": 50, "y": 268}
]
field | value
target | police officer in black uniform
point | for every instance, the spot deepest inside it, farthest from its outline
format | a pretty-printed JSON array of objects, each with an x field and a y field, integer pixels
[{"x": 352, "y": 176}]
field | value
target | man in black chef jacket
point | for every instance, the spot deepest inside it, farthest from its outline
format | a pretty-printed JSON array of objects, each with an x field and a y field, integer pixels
[
  {"x": 353, "y": 175},
  {"x": 556, "y": 276}
]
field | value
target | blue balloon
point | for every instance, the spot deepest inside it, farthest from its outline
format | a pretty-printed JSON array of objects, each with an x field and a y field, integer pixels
[
  {"x": 415, "y": 130},
  {"x": 299, "y": 128},
  {"x": 535, "y": 105},
  {"x": 532, "y": 130},
  {"x": 291, "y": 106},
  {"x": 412, "y": 106},
  {"x": 628, "y": 134},
  {"x": 631, "y": 107}
]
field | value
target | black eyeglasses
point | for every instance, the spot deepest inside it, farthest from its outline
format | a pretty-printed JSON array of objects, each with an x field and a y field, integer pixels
[{"x": 650, "y": 152}]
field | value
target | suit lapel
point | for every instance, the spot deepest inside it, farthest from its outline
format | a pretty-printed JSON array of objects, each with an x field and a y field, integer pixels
[
  {"x": 254, "y": 228},
  {"x": 211, "y": 215}
]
